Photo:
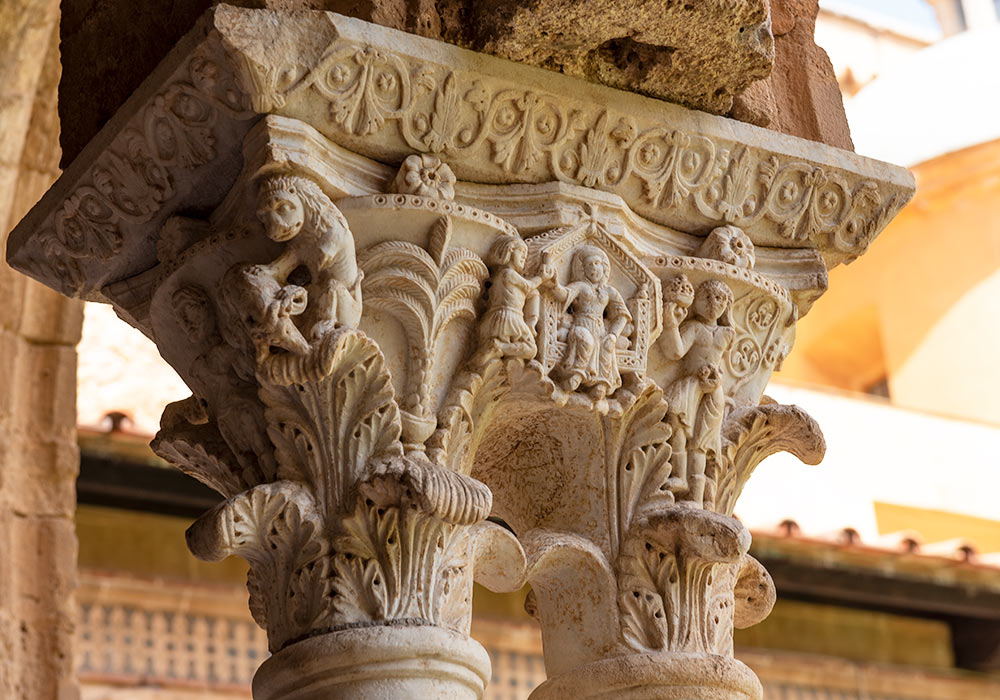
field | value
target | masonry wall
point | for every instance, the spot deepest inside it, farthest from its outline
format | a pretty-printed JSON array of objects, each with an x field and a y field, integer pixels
[{"x": 38, "y": 333}]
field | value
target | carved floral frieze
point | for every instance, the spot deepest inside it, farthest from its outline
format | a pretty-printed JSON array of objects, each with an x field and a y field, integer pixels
[
  {"x": 147, "y": 166},
  {"x": 492, "y": 127}
]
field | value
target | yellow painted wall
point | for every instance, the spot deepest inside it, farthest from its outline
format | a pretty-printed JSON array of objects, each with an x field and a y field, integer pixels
[
  {"x": 921, "y": 307},
  {"x": 860, "y": 635},
  {"x": 153, "y": 546},
  {"x": 939, "y": 525},
  {"x": 147, "y": 545}
]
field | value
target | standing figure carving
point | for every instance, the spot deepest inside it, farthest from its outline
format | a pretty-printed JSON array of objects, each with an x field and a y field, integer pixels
[
  {"x": 320, "y": 253},
  {"x": 596, "y": 319},
  {"x": 507, "y": 328},
  {"x": 696, "y": 399}
]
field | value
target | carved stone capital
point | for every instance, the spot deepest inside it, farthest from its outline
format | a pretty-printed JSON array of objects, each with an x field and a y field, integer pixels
[{"x": 427, "y": 287}]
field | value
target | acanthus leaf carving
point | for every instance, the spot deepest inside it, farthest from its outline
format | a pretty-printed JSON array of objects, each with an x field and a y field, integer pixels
[
  {"x": 279, "y": 530},
  {"x": 395, "y": 533},
  {"x": 752, "y": 434},
  {"x": 676, "y": 577},
  {"x": 333, "y": 407},
  {"x": 406, "y": 550},
  {"x": 201, "y": 452},
  {"x": 638, "y": 459}
]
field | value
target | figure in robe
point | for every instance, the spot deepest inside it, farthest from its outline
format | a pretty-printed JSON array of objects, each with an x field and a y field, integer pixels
[
  {"x": 696, "y": 398},
  {"x": 596, "y": 317}
]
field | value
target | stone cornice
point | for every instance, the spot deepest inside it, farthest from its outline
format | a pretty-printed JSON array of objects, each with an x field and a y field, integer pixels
[{"x": 174, "y": 147}]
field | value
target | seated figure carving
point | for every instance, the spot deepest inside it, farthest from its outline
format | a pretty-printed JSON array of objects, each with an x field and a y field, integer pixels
[{"x": 596, "y": 319}]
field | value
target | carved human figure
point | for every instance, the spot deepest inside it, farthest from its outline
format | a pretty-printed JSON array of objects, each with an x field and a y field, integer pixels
[
  {"x": 597, "y": 316},
  {"x": 507, "y": 328},
  {"x": 320, "y": 253},
  {"x": 696, "y": 400},
  {"x": 226, "y": 390}
]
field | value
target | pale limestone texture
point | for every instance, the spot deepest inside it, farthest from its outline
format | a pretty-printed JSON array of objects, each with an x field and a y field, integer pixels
[{"x": 383, "y": 353}]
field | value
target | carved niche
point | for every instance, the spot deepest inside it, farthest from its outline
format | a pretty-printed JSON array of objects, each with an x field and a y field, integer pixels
[{"x": 598, "y": 311}]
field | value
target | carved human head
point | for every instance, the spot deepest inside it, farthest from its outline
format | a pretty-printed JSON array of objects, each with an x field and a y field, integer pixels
[
  {"x": 712, "y": 299},
  {"x": 590, "y": 263},
  {"x": 280, "y": 208},
  {"x": 194, "y": 313},
  {"x": 728, "y": 244},
  {"x": 509, "y": 250}
]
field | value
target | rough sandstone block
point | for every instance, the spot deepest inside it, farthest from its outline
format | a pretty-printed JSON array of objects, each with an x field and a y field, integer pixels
[
  {"x": 801, "y": 97},
  {"x": 698, "y": 53}
]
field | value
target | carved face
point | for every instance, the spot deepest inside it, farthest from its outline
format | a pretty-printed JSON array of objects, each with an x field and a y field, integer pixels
[
  {"x": 193, "y": 313},
  {"x": 595, "y": 268},
  {"x": 711, "y": 300},
  {"x": 282, "y": 214},
  {"x": 519, "y": 257}
]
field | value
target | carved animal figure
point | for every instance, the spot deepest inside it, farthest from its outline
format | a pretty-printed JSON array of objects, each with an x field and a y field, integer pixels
[
  {"x": 320, "y": 254},
  {"x": 264, "y": 309},
  {"x": 226, "y": 393}
]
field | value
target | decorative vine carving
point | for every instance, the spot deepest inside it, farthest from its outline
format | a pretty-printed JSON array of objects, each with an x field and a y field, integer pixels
[
  {"x": 130, "y": 182},
  {"x": 530, "y": 133}
]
